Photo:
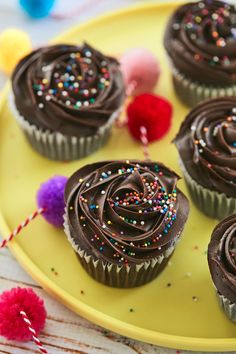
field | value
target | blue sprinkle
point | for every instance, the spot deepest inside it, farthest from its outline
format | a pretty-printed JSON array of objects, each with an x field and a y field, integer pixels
[{"x": 104, "y": 175}]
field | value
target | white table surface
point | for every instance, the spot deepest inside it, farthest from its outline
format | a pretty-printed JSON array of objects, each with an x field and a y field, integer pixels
[{"x": 65, "y": 332}]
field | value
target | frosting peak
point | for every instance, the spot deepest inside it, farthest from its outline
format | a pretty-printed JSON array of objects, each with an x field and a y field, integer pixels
[
  {"x": 207, "y": 144},
  {"x": 125, "y": 211},
  {"x": 201, "y": 38},
  {"x": 222, "y": 257},
  {"x": 69, "y": 89}
]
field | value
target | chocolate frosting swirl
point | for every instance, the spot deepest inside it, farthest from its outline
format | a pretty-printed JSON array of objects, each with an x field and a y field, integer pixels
[
  {"x": 201, "y": 41},
  {"x": 207, "y": 145},
  {"x": 69, "y": 89},
  {"x": 125, "y": 211},
  {"x": 222, "y": 257}
]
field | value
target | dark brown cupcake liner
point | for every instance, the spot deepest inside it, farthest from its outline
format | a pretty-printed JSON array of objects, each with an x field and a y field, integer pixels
[
  {"x": 57, "y": 146},
  {"x": 120, "y": 276},
  {"x": 211, "y": 203}
]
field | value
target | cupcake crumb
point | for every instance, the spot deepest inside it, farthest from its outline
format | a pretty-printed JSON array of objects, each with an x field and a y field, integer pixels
[
  {"x": 54, "y": 271},
  {"x": 195, "y": 298}
]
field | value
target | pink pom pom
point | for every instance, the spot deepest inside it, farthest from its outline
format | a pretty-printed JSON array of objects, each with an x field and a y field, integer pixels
[
  {"x": 12, "y": 302},
  {"x": 140, "y": 69}
]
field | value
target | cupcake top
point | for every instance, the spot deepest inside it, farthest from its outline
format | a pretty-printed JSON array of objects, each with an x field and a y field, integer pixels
[
  {"x": 125, "y": 212},
  {"x": 201, "y": 39},
  {"x": 222, "y": 257},
  {"x": 207, "y": 145},
  {"x": 69, "y": 89}
]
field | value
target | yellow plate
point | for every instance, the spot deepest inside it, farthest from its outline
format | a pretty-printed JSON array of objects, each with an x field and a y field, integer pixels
[{"x": 163, "y": 315}]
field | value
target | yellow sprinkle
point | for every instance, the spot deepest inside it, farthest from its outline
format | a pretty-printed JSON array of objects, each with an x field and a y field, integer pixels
[{"x": 198, "y": 19}]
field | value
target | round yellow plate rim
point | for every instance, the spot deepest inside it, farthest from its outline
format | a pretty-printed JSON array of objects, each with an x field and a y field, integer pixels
[{"x": 149, "y": 336}]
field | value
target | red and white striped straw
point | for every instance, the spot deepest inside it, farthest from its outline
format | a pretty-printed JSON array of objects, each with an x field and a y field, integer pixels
[
  {"x": 33, "y": 332},
  {"x": 129, "y": 91},
  {"x": 21, "y": 226},
  {"x": 144, "y": 141},
  {"x": 131, "y": 87}
]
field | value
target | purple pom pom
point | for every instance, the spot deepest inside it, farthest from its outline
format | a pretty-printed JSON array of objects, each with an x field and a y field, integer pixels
[{"x": 51, "y": 197}]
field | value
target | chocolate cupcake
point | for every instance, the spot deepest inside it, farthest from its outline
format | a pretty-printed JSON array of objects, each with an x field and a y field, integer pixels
[
  {"x": 207, "y": 148},
  {"x": 65, "y": 98},
  {"x": 200, "y": 40},
  {"x": 123, "y": 219},
  {"x": 222, "y": 264}
]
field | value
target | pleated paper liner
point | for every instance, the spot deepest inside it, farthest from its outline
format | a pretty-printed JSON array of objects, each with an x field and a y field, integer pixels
[
  {"x": 228, "y": 307},
  {"x": 211, "y": 203},
  {"x": 191, "y": 93},
  {"x": 122, "y": 276},
  {"x": 57, "y": 146}
]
